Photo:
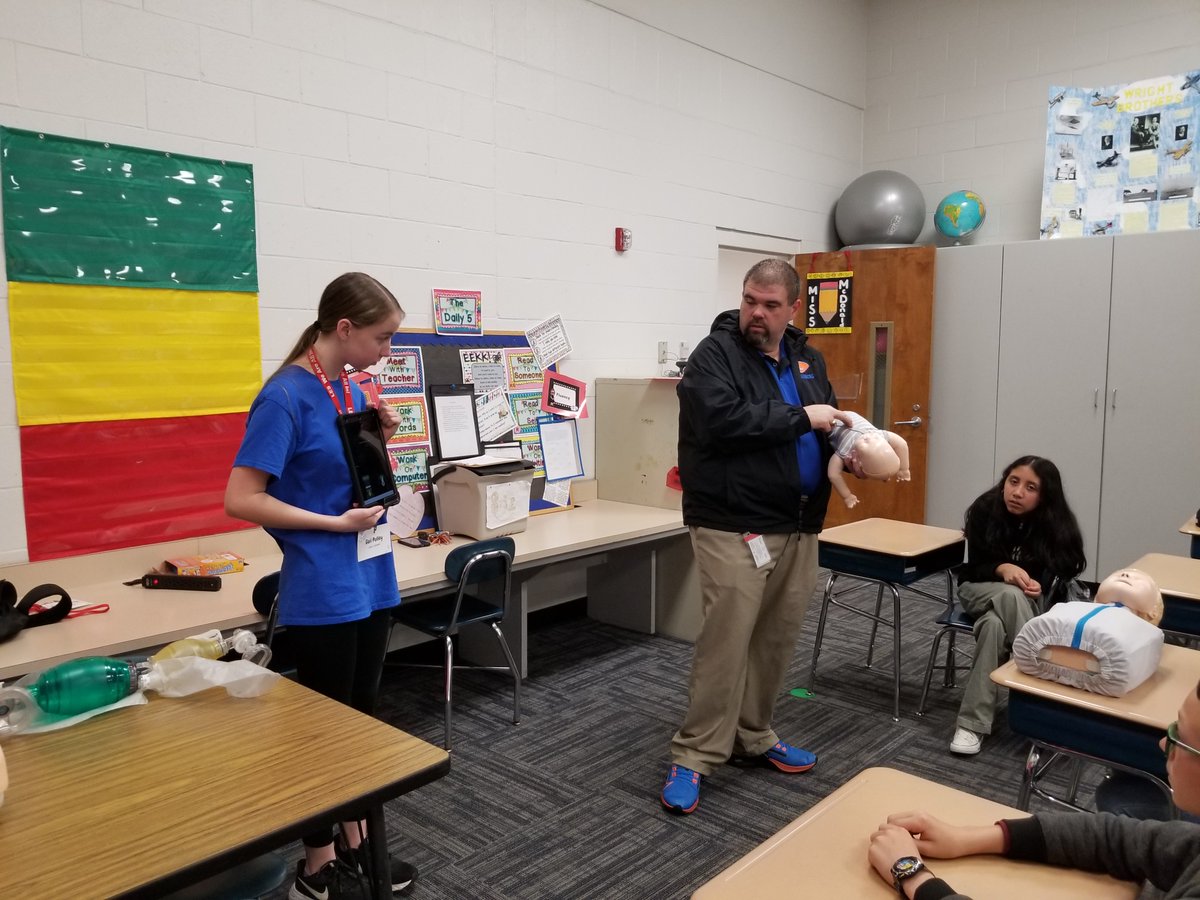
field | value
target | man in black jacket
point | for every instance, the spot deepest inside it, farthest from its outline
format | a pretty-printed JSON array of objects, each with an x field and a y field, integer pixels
[{"x": 755, "y": 409}]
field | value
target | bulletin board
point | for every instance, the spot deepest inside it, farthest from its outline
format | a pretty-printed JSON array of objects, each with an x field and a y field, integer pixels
[
  {"x": 1122, "y": 159},
  {"x": 442, "y": 365}
]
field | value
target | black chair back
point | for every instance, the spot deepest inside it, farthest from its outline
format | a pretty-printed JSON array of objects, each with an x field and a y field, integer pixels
[{"x": 478, "y": 563}]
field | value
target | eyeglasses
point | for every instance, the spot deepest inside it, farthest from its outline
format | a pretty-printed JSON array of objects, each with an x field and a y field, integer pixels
[{"x": 1174, "y": 741}]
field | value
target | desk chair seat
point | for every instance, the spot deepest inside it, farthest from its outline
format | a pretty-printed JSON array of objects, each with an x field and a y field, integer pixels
[
  {"x": 485, "y": 569},
  {"x": 953, "y": 621}
]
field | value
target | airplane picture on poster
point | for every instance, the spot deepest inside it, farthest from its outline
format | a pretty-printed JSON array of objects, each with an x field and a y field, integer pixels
[{"x": 1120, "y": 159}]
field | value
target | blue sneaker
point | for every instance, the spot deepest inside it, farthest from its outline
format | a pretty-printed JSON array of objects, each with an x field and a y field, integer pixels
[
  {"x": 783, "y": 757},
  {"x": 681, "y": 793}
]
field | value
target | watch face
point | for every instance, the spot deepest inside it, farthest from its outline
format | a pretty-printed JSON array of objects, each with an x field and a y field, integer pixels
[{"x": 905, "y": 866}]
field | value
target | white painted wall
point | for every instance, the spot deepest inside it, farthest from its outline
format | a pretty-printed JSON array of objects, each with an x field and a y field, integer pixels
[
  {"x": 480, "y": 144},
  {"x": 495, "y": 144},
  {"x": 957, "y": 89}
]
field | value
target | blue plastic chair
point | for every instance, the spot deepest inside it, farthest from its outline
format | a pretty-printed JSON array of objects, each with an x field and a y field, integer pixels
[{"x": 473, "y": 567}]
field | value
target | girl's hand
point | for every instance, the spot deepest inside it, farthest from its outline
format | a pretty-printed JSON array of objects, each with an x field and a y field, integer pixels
[
  {"x": 355, "y": 520},
  {"x": 388, "y": 419},
  {"x": 1016, "y": 576}
]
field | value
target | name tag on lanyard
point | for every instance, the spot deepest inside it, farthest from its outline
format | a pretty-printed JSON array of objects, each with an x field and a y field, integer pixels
[{"x": 374, "y": 541}]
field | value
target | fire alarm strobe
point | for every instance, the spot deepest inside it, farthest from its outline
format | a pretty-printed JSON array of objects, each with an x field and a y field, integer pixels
[{"x": 624, "y": 239}]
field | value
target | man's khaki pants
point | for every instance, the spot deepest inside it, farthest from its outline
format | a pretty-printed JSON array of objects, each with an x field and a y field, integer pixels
[{"x": 752, "y": 618}]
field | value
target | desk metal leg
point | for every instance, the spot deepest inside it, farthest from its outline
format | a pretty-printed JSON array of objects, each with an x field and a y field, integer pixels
[
  {"x": 875, "y": 625},
  {"x": 1027, "y": 776},
  {"x": 829, "y": 597},
  {"x": 812, "y": 666},
  {"x": 380, "y": 874},
  {"x": 895, "y": 650}
]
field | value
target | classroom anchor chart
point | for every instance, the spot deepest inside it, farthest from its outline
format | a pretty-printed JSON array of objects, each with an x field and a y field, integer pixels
[{"x": 1122, "y": 159}]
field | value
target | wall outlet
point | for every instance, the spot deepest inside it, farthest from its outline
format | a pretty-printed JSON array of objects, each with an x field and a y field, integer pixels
[
  {"x": 662, "y": 352},
  {"x": 684, "y": 350}
]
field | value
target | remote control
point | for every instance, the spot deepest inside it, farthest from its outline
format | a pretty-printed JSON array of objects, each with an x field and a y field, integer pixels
[{"x": 182, "y": 582}]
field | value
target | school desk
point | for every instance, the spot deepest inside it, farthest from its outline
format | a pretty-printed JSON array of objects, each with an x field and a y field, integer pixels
[
  {"x": 1118, "y": 732},
  {"x": 1178, "y": 578},
  {"x": 145, "y": 800},
  {"x": 824, "y": 852},
  {"x": 891, "y": 555}
]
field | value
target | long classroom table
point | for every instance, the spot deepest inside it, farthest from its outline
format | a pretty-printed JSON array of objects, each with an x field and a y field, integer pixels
[{"x": 618, "y": 544}]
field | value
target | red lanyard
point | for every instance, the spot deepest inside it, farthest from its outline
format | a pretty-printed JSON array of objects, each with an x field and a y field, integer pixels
[{"x": 345, "y": 379}]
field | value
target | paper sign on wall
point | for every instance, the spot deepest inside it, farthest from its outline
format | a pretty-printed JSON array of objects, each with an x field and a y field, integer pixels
[
  {"x": 829, "y": 303},
  {"x": 457, "y": 312},
  {"x": 549, "y": 341}
]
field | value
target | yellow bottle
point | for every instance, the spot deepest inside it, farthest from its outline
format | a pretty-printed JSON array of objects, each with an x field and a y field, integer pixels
[{"x": 213, "y": 645}]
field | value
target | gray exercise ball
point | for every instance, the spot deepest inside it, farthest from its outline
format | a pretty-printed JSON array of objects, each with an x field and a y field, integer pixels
[{"x": 882, "y": 207}]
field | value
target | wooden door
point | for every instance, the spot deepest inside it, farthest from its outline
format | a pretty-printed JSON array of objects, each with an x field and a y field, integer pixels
[{"x": 880, "y": 369}]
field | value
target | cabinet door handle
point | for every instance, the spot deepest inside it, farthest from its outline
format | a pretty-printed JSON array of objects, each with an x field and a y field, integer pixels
[
  {"x": 1114, "y": 398},
  {"x": 1096, "y": 398},
  {"x": 915, "y": 421}
]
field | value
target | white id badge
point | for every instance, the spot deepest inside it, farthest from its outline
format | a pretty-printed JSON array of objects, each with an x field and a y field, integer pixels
[
  {"x": 374, "y": 541},
  {"x": 758, "y": 549}
]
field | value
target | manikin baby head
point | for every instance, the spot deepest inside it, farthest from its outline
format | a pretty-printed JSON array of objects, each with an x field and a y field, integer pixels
[
  {"x": 876, "y": 457},
  {"x": 1136, "y": 591}
]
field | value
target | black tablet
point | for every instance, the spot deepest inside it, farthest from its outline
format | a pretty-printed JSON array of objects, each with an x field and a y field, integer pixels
[{"x": 366, "y": 453}]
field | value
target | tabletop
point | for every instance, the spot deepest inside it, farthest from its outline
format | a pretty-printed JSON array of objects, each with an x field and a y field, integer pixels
[
  {"x": 134, "y": 795},
  {"x": 1178, "y": 576},
  {"x": 891, "y": 537},
  {"x": 1154, "y": 703},
  {"x": 824, "y": 852}
]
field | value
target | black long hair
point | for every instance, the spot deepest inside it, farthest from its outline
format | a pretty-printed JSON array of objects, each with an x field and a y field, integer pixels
[{"x": 1053, "y": 524}]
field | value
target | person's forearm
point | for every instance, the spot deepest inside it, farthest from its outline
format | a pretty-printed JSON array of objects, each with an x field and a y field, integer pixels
[
  {"x": 980, "y": 839},
  {"x": 263, "y": 509}
]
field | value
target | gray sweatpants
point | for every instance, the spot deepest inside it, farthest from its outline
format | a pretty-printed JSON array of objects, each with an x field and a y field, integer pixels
[{"x": 999, "y": 610}]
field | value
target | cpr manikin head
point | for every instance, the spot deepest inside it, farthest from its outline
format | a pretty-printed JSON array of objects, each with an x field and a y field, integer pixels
[
  {"x": 1136, "y": 591},
  {"x": 876, "y": 457}
]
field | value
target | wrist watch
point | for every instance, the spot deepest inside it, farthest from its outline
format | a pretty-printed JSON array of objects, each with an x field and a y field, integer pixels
[{"x": 903, "y": 869}]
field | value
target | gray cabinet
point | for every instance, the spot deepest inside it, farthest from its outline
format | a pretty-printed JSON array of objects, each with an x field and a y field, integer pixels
[
  {"x": 1151, "y": 468},
  {"x": 1053, "y": 365},
  {"x": 1090, "y": 350}
]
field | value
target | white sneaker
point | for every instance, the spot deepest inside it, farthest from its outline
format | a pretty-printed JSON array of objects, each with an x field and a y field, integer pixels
[{"x": 966, "y": 742}]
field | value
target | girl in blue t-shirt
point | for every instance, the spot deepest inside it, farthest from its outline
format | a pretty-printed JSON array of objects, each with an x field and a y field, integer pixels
[{"x": 336, "y": 585}]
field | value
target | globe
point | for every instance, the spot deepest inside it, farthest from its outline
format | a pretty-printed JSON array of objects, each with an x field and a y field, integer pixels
[{"x": 959, "y": 214}]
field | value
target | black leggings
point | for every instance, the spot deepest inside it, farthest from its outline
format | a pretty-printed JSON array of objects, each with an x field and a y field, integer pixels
[{"x": 344, "y": 662}]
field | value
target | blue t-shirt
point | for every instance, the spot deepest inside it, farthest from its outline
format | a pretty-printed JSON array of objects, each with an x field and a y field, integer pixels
[
  {"x": 291, "y": 434},
  {"x": 808, "y": 450}
]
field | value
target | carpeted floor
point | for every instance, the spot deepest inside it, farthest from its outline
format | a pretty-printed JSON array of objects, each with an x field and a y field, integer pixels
[{"x": 565, "y": 805}]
